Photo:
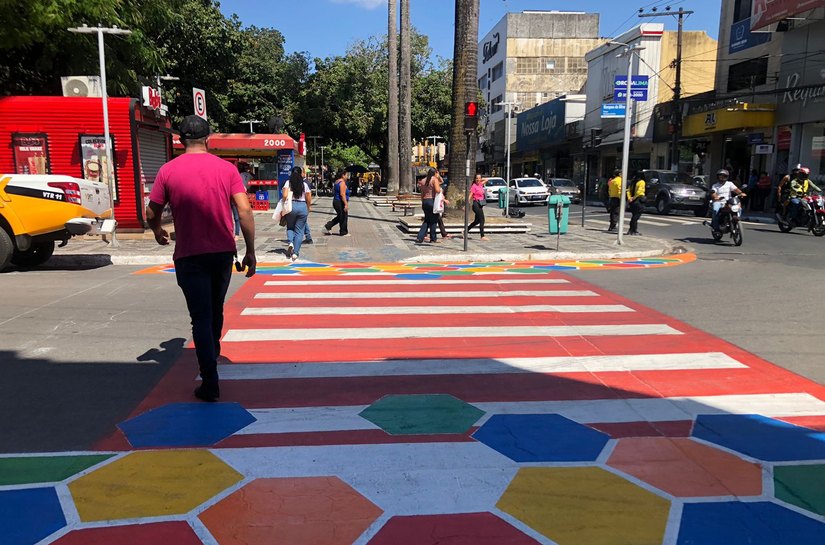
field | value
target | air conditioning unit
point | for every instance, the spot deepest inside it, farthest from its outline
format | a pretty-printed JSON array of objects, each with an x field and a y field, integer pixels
[{"x": 81, "y": 86}]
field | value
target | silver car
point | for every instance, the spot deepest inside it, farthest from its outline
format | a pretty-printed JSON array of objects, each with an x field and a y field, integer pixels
[
  {"x": 492, "y": 186},
  {"x": 565, "y": 187}
]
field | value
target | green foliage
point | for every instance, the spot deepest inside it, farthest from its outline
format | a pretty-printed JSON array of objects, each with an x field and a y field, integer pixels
[{"x": 339, "y": 156}]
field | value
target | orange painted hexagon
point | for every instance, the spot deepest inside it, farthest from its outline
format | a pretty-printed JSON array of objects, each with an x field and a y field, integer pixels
[
  {"x": 298, "y": 511},
  {"x": 684, "y": 468}
]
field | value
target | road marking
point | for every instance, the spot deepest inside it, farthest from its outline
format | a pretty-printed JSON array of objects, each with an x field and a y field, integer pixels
[
  {"x": 421, "y": 295},
  {"x": 482, "y": 366},
  {"x": 374, "y": 311},
  {"x": 350, "y": 333},
  {"x": 598, "y": 411},
  {"x": 403, "y": 281}
]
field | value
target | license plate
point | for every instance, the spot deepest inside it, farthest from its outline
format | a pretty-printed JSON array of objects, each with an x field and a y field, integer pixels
[
  {"x": 694, "y": 198},
  {"x": 538, "y": 197}
]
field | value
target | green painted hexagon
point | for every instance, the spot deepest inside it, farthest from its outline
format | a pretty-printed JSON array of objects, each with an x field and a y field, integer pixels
[
  {"x": 45, "y": 469},
  {"x": 802, "y": 485},
  {"x": 422, "y": 414}
]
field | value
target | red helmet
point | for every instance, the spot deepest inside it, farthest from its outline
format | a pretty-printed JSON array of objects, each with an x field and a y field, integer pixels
[{"x": 805, "y": 170}]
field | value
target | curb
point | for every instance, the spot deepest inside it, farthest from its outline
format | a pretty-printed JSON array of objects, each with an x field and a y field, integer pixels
[
  {"x": 102, "y": 260},
  {"x": 545, "y": 256}
]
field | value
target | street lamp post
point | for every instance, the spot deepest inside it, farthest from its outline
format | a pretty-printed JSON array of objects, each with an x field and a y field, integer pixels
[
  {"x": 315, "y": 151},
  {"x": 251, "y": 121},
  {"x": 322, "y": 164},
  {"x": 435, "y": 143},
  {"x": 509, "y": 106},
  {"x": 100, "y": 31}
]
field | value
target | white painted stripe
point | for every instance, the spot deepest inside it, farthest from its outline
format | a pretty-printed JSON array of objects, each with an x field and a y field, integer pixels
[
  {"x": 403, "y": 281},
  {"x": 422, "y": 295},
  {"x": 292, "y": 420},
  {"x": 565, "y": 364},
  {"x": 653, "y": 222},
  {"x": 320, "y": 334},
  {"x": 374, "y": 311}
]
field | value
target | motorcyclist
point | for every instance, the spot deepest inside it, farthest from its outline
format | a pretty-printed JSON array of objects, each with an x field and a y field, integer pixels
[
  {"x": 801, "y": 186},
  {"x": 719, "y": 195}
]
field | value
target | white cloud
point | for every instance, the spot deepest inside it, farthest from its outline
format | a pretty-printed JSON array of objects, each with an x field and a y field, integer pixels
[{"x": 366, "y": 4}]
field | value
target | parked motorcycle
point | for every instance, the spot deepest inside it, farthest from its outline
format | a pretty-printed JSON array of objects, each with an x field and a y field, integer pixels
[
  {"x": 729, "y": 222},
  {"x": 810, "y": 215}
]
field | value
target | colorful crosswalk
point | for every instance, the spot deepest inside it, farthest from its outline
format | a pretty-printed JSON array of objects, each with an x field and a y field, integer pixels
[{"x": 381, "y": 408}]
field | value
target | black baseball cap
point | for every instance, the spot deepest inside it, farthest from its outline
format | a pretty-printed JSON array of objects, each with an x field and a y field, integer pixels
[{"x": 194, "y": 127}]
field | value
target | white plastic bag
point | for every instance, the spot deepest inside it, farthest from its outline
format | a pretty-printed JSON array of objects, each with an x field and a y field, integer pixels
[
  {"x": 438, "y": 203},
  {"x": 279, "y": 211}
]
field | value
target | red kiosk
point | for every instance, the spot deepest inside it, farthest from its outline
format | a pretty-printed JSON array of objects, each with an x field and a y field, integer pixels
[
  {"x": 64, "y": 135},
  {"x": 286, "y": 152}
]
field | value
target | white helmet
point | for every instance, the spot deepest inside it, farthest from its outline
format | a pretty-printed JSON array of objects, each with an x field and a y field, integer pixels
[{"x": 723, "y": 172}]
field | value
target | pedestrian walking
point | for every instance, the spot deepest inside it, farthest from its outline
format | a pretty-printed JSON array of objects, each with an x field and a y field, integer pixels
[
  {"x": 246, "y": 176},
  {"x": 340, "y": 203},
  {"x": 298, "y": 190},
  {"x": 429, "y": 187},
  {"x": 479, "y": 198},
  {"x": 313, "y": 188},
  {"x": 197, "y": 186},
  {"x": 637, "y": 199},
  {"x": 614, "y": 193}
]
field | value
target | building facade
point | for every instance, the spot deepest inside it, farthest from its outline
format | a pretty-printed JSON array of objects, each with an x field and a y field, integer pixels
[{"x": 527, "y": 59}]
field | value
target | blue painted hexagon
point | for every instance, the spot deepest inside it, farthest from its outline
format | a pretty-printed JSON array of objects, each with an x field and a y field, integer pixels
[
  {"x": 741, "y": 523},
  {"x": 29, "y": 515},
  {"x": 186, "y": 425},
  {"x": 541, "y": 438},
  {"x": 761, "y": 437}
]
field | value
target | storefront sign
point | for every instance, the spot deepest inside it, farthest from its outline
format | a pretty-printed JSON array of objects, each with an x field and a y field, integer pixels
[
  {"x": 746, "y": 116},
  {"x": 803, "y": 95},
  {"x": 766, "y": 12},
  {"x": 31, "y": 153},
  {"x": 490, "y": 48},
  {"x": 741, "y": 37},
  {"x": 756, "y": 138},
  {"x": 763, "y": 149},
  {"x": 152, "y": 100},
  {"x": 94, "y": 164},
  {"x": 541, "y": 126},
  {"x": 801, "y": 76}
]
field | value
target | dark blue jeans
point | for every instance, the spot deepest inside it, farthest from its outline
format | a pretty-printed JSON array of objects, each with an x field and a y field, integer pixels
[
  {"x": 204, "y": 280},
  {"x": 430, "y": 222}
]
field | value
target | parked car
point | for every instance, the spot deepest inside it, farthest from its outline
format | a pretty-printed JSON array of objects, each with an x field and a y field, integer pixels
[
  {"x": 492, "y": 186},
  {"x": 566, "y": 187},
  {"x": 667, "y": 190},
  {"x": 528, "y": 191},
  {"x": 37, "y": 210}
]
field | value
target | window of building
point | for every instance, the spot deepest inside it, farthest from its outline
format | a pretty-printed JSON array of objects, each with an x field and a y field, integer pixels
[
  {"x": 494, "y": 105},
  {"x": 576, "y": 65},
  {"x": 748, "y": 74},
  {"x": 498, "y": 71},
  {"x": 482, "y": 83},
  {"x": 741, "y": 10}
]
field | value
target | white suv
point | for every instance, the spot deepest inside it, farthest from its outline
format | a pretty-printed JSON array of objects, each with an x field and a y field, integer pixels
[{"x": 528, "y": 191}]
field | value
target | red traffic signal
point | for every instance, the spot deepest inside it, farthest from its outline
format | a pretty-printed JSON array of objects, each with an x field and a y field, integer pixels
[{"x": 470, "y": 116}]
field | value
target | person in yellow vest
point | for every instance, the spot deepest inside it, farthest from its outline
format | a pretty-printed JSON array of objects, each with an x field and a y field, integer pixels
[
  {"x": 614, "y": 193},
  {"x": 637, "y": 199}
]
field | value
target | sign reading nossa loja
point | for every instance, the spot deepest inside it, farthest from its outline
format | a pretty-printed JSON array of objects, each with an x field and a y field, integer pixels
[{"x": 199, "y": 98}]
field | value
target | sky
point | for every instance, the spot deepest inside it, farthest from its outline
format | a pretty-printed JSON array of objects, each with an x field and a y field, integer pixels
[{"x": 326, "y": 27}]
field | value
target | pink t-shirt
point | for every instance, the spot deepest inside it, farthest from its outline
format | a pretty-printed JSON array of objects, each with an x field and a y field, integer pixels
[
  {"x": 477, "y": 191},
  {"x": 198, "y": 188}
]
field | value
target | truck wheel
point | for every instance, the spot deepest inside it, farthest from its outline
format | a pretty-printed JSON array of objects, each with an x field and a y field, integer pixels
[
  {"x": 34, "y": 256},
  {"x": 6, "y": 249}
]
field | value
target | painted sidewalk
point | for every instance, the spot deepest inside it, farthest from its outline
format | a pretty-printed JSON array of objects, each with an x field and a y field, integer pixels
[{"x": 482, "y": 403}]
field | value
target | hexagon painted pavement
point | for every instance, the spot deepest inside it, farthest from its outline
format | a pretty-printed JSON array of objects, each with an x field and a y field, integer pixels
[
  {"x": 29, "y": 515},
  {"x": 761, "y": 437},
  {"x": 740, "y": 523},
  {"x": 298, "y": 511},
  {"x": 460, "y": 529},
  {"x": 45, "y": 469},
  {"x": 186, "y": 425},
  {"x": 160, "y": 533},
  {"x": 150, "y": 484},
  {"x": 684, "y": 468},
  {"x": 541, "y": 438},
  {"x": 585, "y": 506},
  {"x": 802, "y": 485},
  {"x": 422, "y": 414}
]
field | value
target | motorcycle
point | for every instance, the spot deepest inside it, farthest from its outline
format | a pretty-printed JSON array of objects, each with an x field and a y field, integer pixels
[
  {"x": 729, "y": 222},
  {"x": 810, "y": 215}
]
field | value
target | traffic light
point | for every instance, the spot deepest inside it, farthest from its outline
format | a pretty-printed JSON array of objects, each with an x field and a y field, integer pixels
[
  {"x": 595, "y": 137},
  {"x": 470, "y": 116}
]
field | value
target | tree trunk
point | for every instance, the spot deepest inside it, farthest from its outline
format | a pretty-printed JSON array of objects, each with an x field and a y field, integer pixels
[
  {"x": 465, "y": 89},
  {"x": 405, "y": 133},
  {"x": 392, "y": 106}
]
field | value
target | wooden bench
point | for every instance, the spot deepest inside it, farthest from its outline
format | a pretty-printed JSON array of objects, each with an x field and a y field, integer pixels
[{"x": 405, "y": 206}]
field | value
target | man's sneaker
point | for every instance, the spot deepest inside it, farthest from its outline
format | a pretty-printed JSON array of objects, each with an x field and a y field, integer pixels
[
  {"x": 294, "y": 258},
  {"x": 308, "y": 241},
  {"x": 290, "y": 249}
]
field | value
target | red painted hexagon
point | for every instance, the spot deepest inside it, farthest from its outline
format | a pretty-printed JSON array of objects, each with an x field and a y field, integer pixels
[
  {"x": 298, "y": 511},
  {"x": 179, "y": 533},
  {"x": 462, "y": 529},
  {"x": 684, "y": 468}
]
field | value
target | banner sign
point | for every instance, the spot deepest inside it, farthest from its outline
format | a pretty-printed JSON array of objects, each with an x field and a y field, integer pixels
[
  {"x": 541, "y": 126},
  {"x": 766, "y": 12},
  {"x": 286, "y": 160},
  {"x": 635, "y": 94},
  {"x": 741, "y": 37},
  {"x": 31, "y": 153},
  {"x": 638, "y": 87}
]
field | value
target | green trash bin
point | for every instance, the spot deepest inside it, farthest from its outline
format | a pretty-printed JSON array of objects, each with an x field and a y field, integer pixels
[
  {"x": 556, "y": 203},
  {"x": 503, "y": 195}
]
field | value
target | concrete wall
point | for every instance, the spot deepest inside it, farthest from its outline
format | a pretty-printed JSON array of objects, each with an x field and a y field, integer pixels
[
  {"x": 698, "y": 65},
  {"x": 555, "y": 24}
]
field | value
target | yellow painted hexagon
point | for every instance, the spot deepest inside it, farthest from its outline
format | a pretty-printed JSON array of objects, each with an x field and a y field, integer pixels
[
  {"x": 585, "y": 506},
  {"x": 151, "y": 484}
]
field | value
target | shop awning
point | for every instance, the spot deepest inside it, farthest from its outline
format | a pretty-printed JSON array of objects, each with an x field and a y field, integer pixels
[
  {"x": 245, "y": 145},
  {"x": 738, "y": 117}
]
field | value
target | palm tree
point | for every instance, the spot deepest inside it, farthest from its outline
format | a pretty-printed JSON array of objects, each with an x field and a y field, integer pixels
[
  {"x": 465, "y": 89},
  {"x": 392, "y": 106},
  {"x": 405, "y": 134}
]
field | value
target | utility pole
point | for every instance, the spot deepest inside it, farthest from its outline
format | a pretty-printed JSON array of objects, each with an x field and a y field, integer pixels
[
  {"x": 676, "y": 114},
  {"x": 509, "y": 105},
  {"x": 322, "y": 164},
  {"x": 392, "y": 104}
]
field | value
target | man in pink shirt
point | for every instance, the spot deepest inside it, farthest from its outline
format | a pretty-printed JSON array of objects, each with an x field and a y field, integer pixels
[{"x": 199, "y": 188}]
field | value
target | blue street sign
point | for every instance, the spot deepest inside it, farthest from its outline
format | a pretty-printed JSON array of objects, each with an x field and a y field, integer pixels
[
  {"x": 638, "y": 82},
  {"x": 635, "y": 94},
  {"x": 614, "y": 110}
]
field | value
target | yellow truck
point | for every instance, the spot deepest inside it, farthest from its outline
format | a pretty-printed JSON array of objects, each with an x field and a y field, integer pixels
[{"x": 37, "y": 210}]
